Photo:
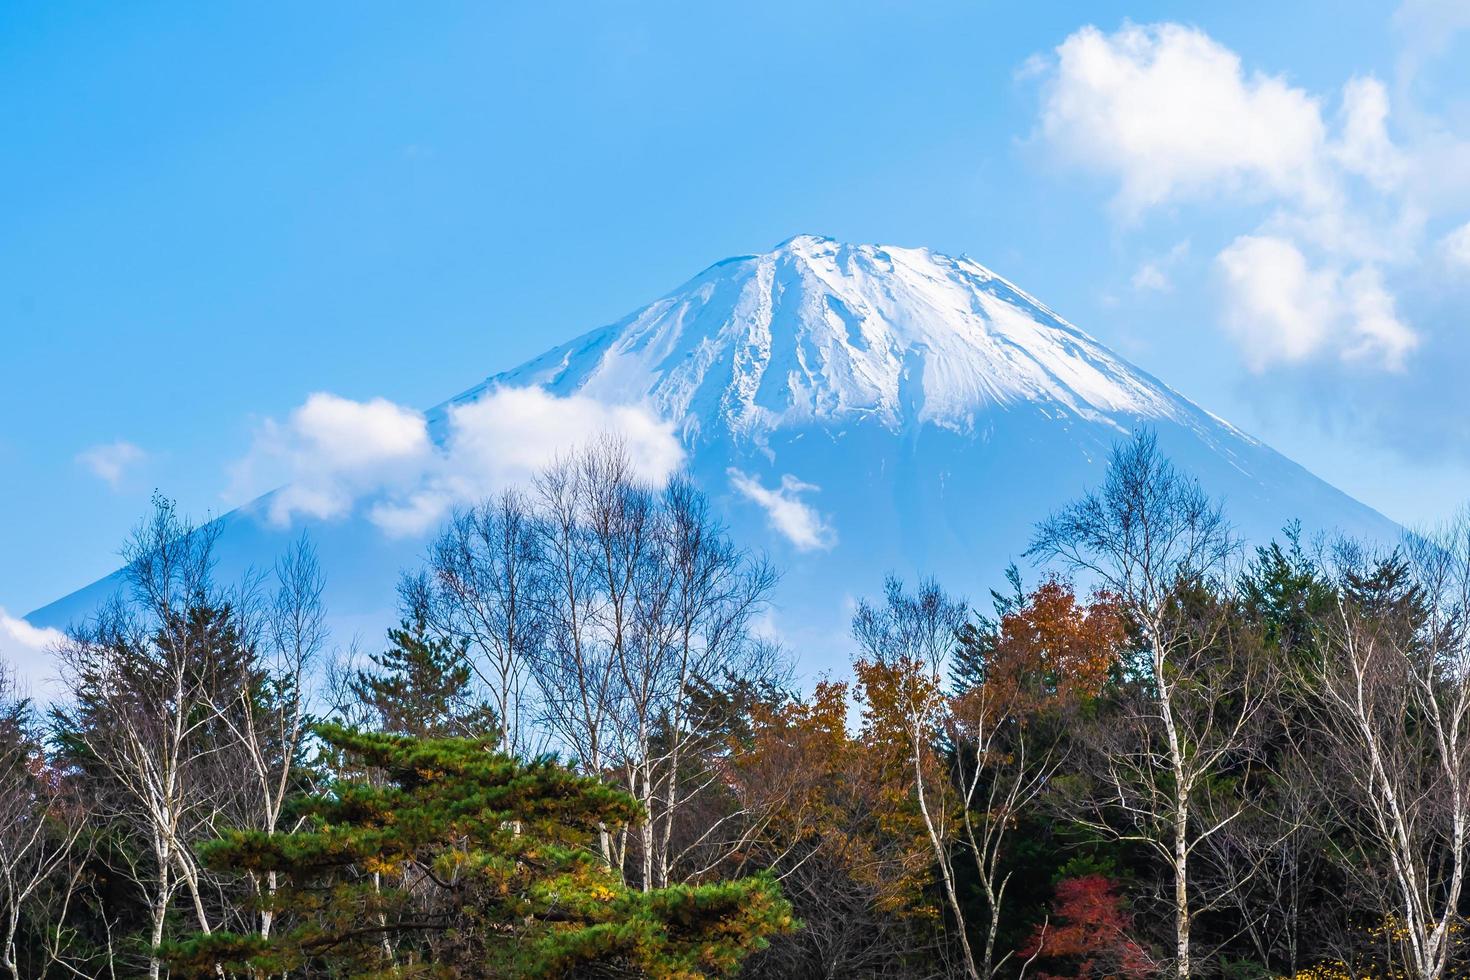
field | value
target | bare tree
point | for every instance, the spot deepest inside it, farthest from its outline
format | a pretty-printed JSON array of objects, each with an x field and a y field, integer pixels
[
  {"x": 1393, "y": 702},
  {"x": 1019, "y": 680},
  {"x": 1270, "y": 864},
  {"x": 674, "y": 602},
  {"x": 485, "y": 567},
  {"x": 574, "y": 668},
  {"x": 145, "y": 675},
  {"x": 643, "y": 596},
  {"x": 698, "y": 633},
  {"x": 1154, "y": 539},
  {"x": 619, "y": 514},
  {"x": 41, "y": 822},
  {"x": 264, "y": 716},
  {"x": 911, "y": 638}
]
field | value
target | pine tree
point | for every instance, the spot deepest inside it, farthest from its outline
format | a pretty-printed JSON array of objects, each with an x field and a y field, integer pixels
[
  {"x": 1386, "y": 592},
  {"x": 455, "y": 860},
  {"x": 977, "y": 639},
  {"x": 423, "y": 684},
  {"x": 1285, "y": 590}
]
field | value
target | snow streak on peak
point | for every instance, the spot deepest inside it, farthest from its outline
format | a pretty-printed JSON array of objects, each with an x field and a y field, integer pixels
[{"x": 819, "y": 332}]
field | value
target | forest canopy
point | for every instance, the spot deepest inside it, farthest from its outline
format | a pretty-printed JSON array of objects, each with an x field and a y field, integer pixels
[{"x": 1157, "y": 752}]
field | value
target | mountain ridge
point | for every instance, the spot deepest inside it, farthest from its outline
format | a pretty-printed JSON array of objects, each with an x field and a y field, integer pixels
[
  {"x": 870, "y": 330},
  {"x": 921, "y": 409}
]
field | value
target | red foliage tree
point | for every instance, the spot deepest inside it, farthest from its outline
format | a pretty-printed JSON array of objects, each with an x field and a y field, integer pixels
[{"x": 1087, "y": 934}]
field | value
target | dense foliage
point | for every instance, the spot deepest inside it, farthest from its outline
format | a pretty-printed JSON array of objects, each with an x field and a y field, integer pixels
[
  {"x": 1164, "y": 755},
  {"x": 442, "y": 857}
]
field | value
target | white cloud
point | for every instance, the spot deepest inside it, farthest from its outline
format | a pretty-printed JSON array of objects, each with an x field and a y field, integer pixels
[
  {"x": 1278, "y": 308},
  {"x": 1153, "y": 275},
  {"x": 334, "y": 454},
  {"x": 1281, "y": 310},
  {"x": 28, "y": 649},
  {"x": 1456, "y": 247},
  {"x": 110, "y": 461},
  {"x": 1377, "y": 335},
  {"x": 1364, "y": 147},
  {"x": 330, "y": 452},
  {"x": 788, "y": 514},
  {"x": 1171, "y": 114},
  {"x": 506, "y": 437}
]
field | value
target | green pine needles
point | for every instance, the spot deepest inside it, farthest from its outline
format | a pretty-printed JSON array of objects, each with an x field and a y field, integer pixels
[{"x": 440, "y": 857}]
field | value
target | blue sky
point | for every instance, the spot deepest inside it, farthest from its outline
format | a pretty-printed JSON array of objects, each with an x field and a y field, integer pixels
[{"x": 212, "y": 211}]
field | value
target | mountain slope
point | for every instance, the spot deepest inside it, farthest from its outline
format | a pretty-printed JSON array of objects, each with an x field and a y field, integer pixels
[
  {"x": 816, "y": 332},
  {"x": 857, "y": 409}
]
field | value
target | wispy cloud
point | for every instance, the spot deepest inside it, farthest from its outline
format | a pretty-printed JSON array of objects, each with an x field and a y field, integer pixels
[
  {"x": 110, "y": 462},
  {"x": 333, "y": 456},
  {"x": 1154, "y": 275},
  {"x": 788, "y": 514},
  {"x": 1455, "y": 247}
]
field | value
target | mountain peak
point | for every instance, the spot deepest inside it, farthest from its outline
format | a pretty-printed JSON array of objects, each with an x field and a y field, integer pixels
[
  {"x": 805, "y": 243},
  {"x": 817, "y": 331}
]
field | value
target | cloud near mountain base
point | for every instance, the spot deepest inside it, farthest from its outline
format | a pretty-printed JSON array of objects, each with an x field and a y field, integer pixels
[
  {"x": 336, "y": 456},
  {"x": 28, "y": 650}
]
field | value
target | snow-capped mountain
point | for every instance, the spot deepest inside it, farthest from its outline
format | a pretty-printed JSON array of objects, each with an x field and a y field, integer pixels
[
  {"x": 816, "y": 333},
  {"x": 856, "y": 409}
]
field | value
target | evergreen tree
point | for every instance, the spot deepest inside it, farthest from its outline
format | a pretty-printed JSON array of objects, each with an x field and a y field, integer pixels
[
  {"x": 977, "y": 639},
  {"x": 1385, "y": 591},
  {"x": 148, "y": 736},
  {"x": 1285, "y": 591},
  {"x": 423, "y": 683},
  {"x": 456, "y": 860}
]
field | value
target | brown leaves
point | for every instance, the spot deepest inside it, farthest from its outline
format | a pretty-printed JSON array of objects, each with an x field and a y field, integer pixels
[{"x": 1057, "y": 648}]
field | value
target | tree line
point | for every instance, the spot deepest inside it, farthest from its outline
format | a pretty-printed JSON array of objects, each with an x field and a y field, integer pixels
[{"x": 578, "y": 754}]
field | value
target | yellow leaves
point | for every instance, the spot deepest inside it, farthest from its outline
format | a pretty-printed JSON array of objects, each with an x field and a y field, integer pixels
[
  {"x": 601, "y": 893},
  {"x": 382, "y": 866},
  {"x": 1391, "y": 929},
  {"x": 902, "y": 698},
  {"x": 1324, "y": 971}
]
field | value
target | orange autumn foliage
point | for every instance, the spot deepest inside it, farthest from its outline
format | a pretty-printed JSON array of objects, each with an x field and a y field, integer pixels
[
  {"x": 1057, "y": 649},
  {"x": 903, "y": 709},
  {"x": 856, "y": 795},
  {"x": 821, "y": 788},
  {"x": 1053, "y": 652}
]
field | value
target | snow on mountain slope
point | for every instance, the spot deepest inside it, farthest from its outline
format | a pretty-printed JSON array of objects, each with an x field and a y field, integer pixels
[
  {"x": 816, "y": 332},
  {"x": 857, "y": 409}
]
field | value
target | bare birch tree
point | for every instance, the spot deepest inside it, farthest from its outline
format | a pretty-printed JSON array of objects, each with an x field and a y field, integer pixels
[
  {"x": 144, "y": 677},
  {"x": 643, "y": 596},
  {"x": 1153, "y": 538},
  {"x": 264, "y": 712},
  {"x": 485, "y": 569},
  {"x": 1021, "y": 677},
  {"x": 1393, "y": 700},
  {"x": 574, "y": 668},
  {"x": 41, "y": 822},
  {"x": 910, "y": 638}
]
